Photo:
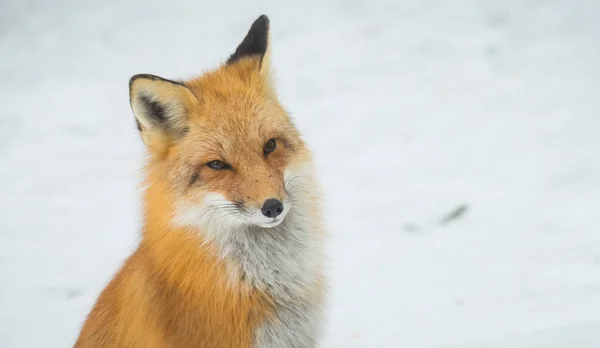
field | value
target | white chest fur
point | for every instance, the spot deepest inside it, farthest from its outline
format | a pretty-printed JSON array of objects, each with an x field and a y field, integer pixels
[{"x": 284, "y": 262}]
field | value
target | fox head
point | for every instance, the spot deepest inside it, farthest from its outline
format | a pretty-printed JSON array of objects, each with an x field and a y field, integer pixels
[{"x": 221, "y": 146}]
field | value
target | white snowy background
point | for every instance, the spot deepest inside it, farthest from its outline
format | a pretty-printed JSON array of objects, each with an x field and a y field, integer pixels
[{"x": 414, "y": 108}]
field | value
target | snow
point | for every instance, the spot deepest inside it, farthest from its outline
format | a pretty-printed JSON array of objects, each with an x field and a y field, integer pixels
[{"x": 412, "y": 107}]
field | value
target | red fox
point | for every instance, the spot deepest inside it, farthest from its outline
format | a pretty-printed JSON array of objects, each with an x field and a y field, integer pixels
[{"x": 231, "y": 249}]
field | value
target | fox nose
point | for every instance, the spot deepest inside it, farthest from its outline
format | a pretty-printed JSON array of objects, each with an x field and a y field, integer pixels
[{"x": 272, "y": 208}]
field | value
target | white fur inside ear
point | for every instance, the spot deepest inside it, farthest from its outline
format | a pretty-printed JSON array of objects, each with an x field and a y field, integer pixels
[
  {"x": 159, "y": 104},
  {"x": 152, "y": 113}
]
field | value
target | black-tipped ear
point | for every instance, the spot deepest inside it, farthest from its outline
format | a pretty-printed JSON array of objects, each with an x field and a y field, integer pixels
[
  {"x": 160, "y": 106},
  {"x": 255, "y": 43}
]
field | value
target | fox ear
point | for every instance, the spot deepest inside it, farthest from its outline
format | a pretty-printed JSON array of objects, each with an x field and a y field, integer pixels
[
  {"x": 255, "y": 45},
  {"x": 160, "y": 107}
]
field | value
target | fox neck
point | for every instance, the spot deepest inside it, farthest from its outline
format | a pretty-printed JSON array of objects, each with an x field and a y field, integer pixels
[{"x": 277, "y": 260}]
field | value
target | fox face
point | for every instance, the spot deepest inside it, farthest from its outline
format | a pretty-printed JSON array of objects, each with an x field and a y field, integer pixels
[{"x": 221, "y": 146}]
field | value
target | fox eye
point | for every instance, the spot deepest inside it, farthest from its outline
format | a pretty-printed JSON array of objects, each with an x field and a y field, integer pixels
[
  {"x": 270, "y": 146},
  {"x": 218, "y": 165}
]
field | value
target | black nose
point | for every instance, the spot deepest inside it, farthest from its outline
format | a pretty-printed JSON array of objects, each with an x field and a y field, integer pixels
[{"x": 272, "y": 208}]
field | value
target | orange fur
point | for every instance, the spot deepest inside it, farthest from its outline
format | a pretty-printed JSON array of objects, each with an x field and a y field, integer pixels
[
  {"x": 173, "y": 293},
  {"x": 175, "y": 290}
]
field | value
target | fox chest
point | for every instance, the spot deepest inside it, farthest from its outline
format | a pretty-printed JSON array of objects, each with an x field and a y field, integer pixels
[
  {"x": 286, "y": 268},
  {"x": 294, "y": 325}
]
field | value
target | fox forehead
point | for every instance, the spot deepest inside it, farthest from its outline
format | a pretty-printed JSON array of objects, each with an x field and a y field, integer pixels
[
  {"x": 235, "y": 112},
  {"x": 237, "y": 134},
  {"x": 230, "y": 92}
]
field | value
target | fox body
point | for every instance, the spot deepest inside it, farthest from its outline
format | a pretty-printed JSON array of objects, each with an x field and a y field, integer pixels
[{"x": 230, "y": 254}]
